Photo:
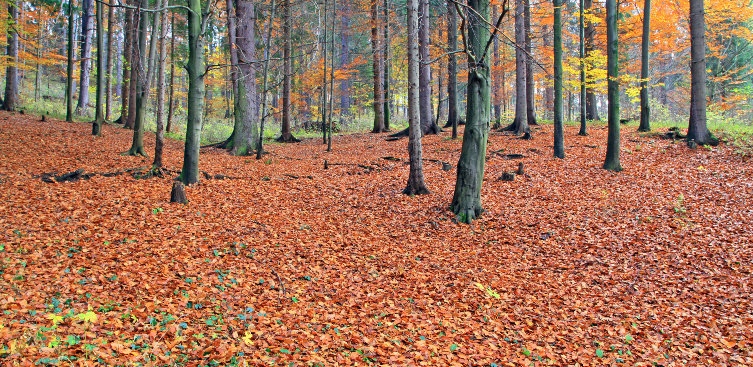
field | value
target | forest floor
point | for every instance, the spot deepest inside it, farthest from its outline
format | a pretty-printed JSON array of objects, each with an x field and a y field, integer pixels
[{"x": 291, "y": 264}]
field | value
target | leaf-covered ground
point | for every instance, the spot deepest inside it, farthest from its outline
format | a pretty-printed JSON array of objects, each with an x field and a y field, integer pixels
[{"x": 292, "y": 264}]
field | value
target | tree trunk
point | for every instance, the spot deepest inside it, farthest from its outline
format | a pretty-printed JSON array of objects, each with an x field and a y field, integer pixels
[
  {"x": 386, "y": 67},
  {"x": 246, "y": 136},
  {"x": 452, "y": 69},
  {"x": 265, "y": 78},
  {"x": 495, "y": 83},
  {"x": 140, "y": 84},
  {"x": 234, "y": 70},
  {"x": 110, "y": 57},
  {"x": 195, "y": 68},
  {"x": 590, "y": 32},
  {"x": 134, "y": 68},
  {"x": 286, "y": 136},
  {"x": 99, "y": 117},
  {"x": 377, "y": 68},
  {"x": 697, "y": 129},
  {"x": 11, "y": 76},
  {"x": 331, "y": 76},
  {"x": 160, "y": 139},
  {"x": 344, "y": 59},
  {"x": 520, "y": 124},
  {"x": 69, "y": 69},
  {"x": 530, "y": 91},
  {"x": 559, "y": 135},
  {"x": 324, "y": 77},
  {"x": 582, "y": 53},
  {"x": 125, "y": 92},
  {"x": 170, "y": 106},
  {"x": 466, "y": 201},
  {"x": 645, "y": 40},
  {"x": 416, "y": 185},
  {"x": 428, "y": 125},
  {"x": 612, "y": 161},
  {"x": 82, "y": 109}
]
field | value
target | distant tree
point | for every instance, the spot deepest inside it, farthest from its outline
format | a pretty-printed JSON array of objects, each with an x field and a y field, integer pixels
[
  {"x": 698, "y": 132},
  {"x": 160, "y": 138},
  {"x": 452, "y": 69},
  {"x": 69, "y": 69},
  {"x": 559, "y": 136},
  {"x": 612, "y": 160},
  {"x": 99, "y": 116},
  {"x": 110, "y": 57},
  {"x": 428, "y": 125},
  {"x": 125, "y": 90},
  {"x": 520, "y": 123},
  {"x": 590, "y": 33},
  {"x": 377, "y": 68},
  {"x": 582, "y": 66},
  {"x": 286, "y": 136},
  {"x": 530, "y": 82},
  {"x": 82, "y": 109},
  {"x": 11, "y": 76},
  {"x": 416, "y": 185},
  {"x": 645, "y": 40}
]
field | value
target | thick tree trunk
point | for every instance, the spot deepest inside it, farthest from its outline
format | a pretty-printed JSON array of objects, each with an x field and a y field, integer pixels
[
  {"x": 377, "y": 68},
  {"x": 110, "y": 57},
  {"x": 645, "y": 40},
  {"x": 160, "y": 139},
  {"x": 697, "y": 129},
  {"x": 582, "y": 54},
  {"x": 530, "y": 91},
  {"x": 246, "y": 136},
  {"x": 82, "y": 109},
  {"x": 559, "y": 136},
  {"x": 11, "y": 76},
  {"x": 416, "y": 185},
  {"x": 69, "y": 69},
  {"x": 612, "y": 160},
  {"x": 466, "y": 201},
  {"x": 590, "y": 32},
  {"x": 428, "y": 125},
  {"x": 286, "y": 136},
  {"x": 99, "y": 117},
  {"x": 452, "y": 69},
  {"x": 195, "y": 68}
]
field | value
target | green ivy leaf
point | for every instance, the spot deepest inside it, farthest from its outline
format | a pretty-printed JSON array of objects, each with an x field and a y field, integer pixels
[
  {"x": 453, "y": 347},
  {"x": 599, "y": 353}
]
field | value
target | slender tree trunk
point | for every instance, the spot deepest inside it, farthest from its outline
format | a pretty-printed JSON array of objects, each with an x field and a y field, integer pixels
[
  {"x": 324, "y": 82},
  {"x": 40, "y": 47},
  {"x": 612, "y": 161},
  {"x": 559, "y": 135},
  {"x": 135, "y": 66},
  {"x": 110, "y": 57},
  {"x": 386, "y": 62},
  {"x": 645, "y": 40},
  {"x": 452, "y": 69},
  {"x": 11, "y": 76},
  {"x": 141, "y": 83},
  {"x": 286, "y": 136},
  {"x": 125, "y": 92},
  {"x": 265, "y": 78},
  {"x": 428, "y": 125},
  {"x": 590, "y": 32},
  {"x": 246, "y": 137},
  {"x": 99, "y": 116},
  {"x": 234, "y": 71},
  {"x": 697, "y": 129},
  {"x": 582, "y": 52},
  {"x": 495, "y": 83},
  {"x": 377, "y": 68},
  {"x": 170, "y": 105},
  {"x": 520, "y": 124},
  {"x": 344, "y": 59},
  {"x": 160, "y": 139},
  {"x": 530, "y": 82},
  {"x": 69, "y": 80},
  {"x": 82, "y": 109},
  {"x": 466, "y": 201},
  {"x": 195, "y": 68},
  {"x": 331, "y": 76},
  {"x": 416, "y": 185}
]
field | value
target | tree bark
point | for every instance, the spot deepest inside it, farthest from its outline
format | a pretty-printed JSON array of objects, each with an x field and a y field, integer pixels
[
  {"x": 520, "y": 124},
  {"x": 612, "y": 160},
  {"x": 530, "y": 91},
  {"x": 331, "y": 76},
  {"x": 195, "y": 68},
  {"x": 697, "y": 129},
  {"x": 386, "y": 66},
  {"x": 466, "y": 201},
  {"x": 428, "y": 125},
  {"x": 110, "y": 57},
  {"x": 82, "y": 109},
  {"x": 590, "y": 32},
  {"x": 559, "y": 135},
  {"x": 125, "y": 92},
  {"x": 286, "y": 136},
  {"x": 377, "y": 68},
  {"x": 170, "y": 106},
  {"x": 324, "y": 77},
  {"x": 160, "y": 139},
  {"x": 134, "y": 62},
  {"x": 344, "y": 59},
  {"x": 11, "y": 75},
  {"x": 452, "y": 69},
  {"x": 234, "y": 71},
  {"x": 140, "y": 83},
  {"x": 265, "y": 78},
  {"x": 99, "y": 117},
  {"x": 582, "y": 53},
  {"x": 416, "y": 185},
  {"x": 645, "y": 40},
  {"x": 69, "y": 69},
  {"x": 246, "y": 136}
]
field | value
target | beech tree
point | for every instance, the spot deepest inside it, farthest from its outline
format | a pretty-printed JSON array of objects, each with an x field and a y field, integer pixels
[
  {"x": 612, "y": 160},
  {"x": 590, "y": 33},
  {"x": 698, "y": 132},
  {"x": 452, "y": 69},
  {"x": 82, "y": 109},
  {"x": 377, "y": 68},
  {"x": 11, "y": 73},
  {"x": 286, "y": 136},
  {"x": 645, "y": 39},
  {"x": 416, "y": 185},
  {"x": 559, "y": 135},
  {"x": 247, "y": 129},
  {"x": 99, "y": 117},
  {"x": 69, "y": 69},
  {"x": 520, "y": 123},
  {"x": 582, "y": 65},
  {"x": 160, "y": 138}
]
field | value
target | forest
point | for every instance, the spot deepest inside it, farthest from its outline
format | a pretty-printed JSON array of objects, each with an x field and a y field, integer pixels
[{"x": 326, "y": 183}]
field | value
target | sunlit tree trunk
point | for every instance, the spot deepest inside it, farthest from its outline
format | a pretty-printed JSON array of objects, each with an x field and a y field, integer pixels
[
  {"x": 559, "y": 135},
  {"x": 195, "y": 68},
  {"x": 416, "y": 185},
  {"x": 612, "y": 161},
  {"x": 582, "y": 53},
  {"x": 466, "y": 201},
  {"x": 697, "y": 129},
  {"x": 11, "y": 75},
  {"x": 99, "y": 117},
  {"x": 590, "y": 32},
  {"x": 82, "y": 109}
]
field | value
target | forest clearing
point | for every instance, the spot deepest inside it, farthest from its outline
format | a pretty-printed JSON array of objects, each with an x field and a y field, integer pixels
[{"x": 283, "y": 262}]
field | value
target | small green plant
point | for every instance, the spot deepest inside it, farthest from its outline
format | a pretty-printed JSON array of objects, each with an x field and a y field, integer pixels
[
  {"x": 678, "y": 205},
  {"x": 157, "y": 210}
]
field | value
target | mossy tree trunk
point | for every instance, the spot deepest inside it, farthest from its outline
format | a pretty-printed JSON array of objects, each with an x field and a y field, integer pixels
[{"x": 612, "y": 160}]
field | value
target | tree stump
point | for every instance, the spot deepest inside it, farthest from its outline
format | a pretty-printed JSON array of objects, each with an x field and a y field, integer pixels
[
  {"x": 178, "y": 194},
  {"x": 520, "y": 171},
  {"x": 508, "y": 176}
]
